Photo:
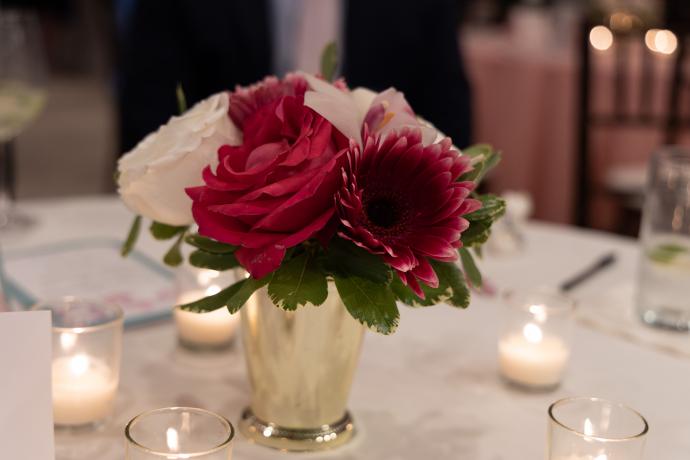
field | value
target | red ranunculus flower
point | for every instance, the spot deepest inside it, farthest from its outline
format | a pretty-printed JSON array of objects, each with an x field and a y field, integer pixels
[
  {"x": 401, "y": 200},
  {"x": 277, "y": 189}
]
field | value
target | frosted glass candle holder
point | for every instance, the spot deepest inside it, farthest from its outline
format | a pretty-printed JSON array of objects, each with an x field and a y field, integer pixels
[
  {"x": 179, "y": 433},
  {"x": 204, "y": 331},
  {"x": 595, "y": 429},
  {"x": 87, "y": 347},
  {"x": 534, "y": 346}
]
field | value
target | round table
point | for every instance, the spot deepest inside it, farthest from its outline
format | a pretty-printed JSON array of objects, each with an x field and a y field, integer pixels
[{"x": 432, "y": 389}]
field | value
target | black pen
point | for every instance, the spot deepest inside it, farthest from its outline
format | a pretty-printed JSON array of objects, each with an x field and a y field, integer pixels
[{"x": 586, "y": 274}]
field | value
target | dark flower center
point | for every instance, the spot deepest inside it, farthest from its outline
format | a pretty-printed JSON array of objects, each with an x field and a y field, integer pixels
[{"x": 383, "y": 212}]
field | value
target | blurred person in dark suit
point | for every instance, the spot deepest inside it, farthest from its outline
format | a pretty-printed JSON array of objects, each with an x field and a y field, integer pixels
[{"x": 212, "y": 45}]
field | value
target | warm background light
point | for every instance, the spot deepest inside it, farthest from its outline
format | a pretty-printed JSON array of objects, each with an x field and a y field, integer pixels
[
  {"x": 601, "y": 38},
  {"x": 661, "y": 41}
]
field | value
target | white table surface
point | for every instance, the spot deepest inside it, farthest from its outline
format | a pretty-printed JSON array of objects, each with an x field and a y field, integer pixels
[{"x": 431, "y": 390}]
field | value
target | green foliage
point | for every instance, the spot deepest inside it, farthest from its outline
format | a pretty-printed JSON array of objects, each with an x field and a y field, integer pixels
[
  {"x": 132, "y": 237},
  {"x": 492, "y": 208},
  {"x": 220, "y": 262},
  {"x": 344, "y": 258},
  {"x": 485, "y": 158},
  {"x": 450, "y": 275},
  {"x": 174, "y": 255},
  {"x": 209, "y": 245},
  {"x": 165, "y": 231},
  {"x": 233, "y": 297},
  {"x": 298, "y": 282},
  {"x": 470, "y": 268},
  {"x": 181, "y": 99},
  {"x": 451, "y": 288},
  {"x": 244, "y": 292},
  {"x": 369, "y": 302},
  {"x": 215, "y": 301},
  {"x": 476, "y": 234},
  {"x": 329, "y": 61},
  {"x": 481, "y": 221}
]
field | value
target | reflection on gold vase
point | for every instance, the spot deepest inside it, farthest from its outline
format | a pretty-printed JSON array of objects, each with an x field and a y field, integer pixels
[{"x": 301, "y": 365}]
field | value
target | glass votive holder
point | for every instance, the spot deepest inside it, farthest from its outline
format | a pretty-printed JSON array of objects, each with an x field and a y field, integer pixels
[
  {"x": 213, "y": 330},
  {"x": 87, "y": 348},
  {"x": 534, "y": 346},
  {"x": 177, "y": 433},
  {"x": 595, "y": 429}
]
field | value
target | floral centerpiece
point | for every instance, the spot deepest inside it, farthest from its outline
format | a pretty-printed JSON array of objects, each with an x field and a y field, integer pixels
[{"x": 319, "y": 192}]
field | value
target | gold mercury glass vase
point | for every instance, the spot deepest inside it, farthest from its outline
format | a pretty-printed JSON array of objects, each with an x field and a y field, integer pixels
[{"x": 301, "y": 365}]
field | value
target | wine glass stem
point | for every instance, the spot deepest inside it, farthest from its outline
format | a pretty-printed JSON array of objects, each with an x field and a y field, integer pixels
[{"x": 6, "y": 182}]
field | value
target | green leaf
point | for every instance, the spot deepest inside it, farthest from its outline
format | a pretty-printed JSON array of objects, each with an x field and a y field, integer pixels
[
  {"x": 298, "y": 282},
  {"x": 369, "y": 302},
  {"x": 244, "y": 292},
  {"x": 450, "y": 275},
  {"x": 165, "y": 231},
  {"x": 451, "y": 288},
  {"x": 329, "y": 61},
  {"x": 181, "y": 99},
  {"x": 220, "y": 262},
  {"x": 486, "y": 159},
  {"x": 209, "y": 245},
  {"x": 478, "y": 150},
  {"x": 132, "y": 237},
  {"x": 432, "y": 296},
  {"x": 215, "y": 301},
  {"x": 174, "y": 256},
  {"x": 492, "y": 208},
  {"x": 470, "y": 268},
  {"x": 345, "y": 258},
  {"x": 477, "y": 234}
]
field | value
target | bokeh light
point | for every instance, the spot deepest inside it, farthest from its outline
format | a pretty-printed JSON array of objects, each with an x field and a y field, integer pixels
[
  {"x": 601, "y": 38},
  {"x": 661, "y": 41}
]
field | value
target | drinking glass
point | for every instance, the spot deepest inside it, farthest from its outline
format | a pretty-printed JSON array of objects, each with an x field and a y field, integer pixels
[
  {"x": 87, "y": 347},
  {"x": 663, "y": 297},
  {"x": 595, "y": 429},
  {"x": 22, "y": 97},
  {"x": 179, "y": 432}
]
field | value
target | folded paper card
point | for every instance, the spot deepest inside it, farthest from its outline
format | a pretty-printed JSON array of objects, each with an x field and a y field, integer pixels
[{"x": 26, "y": 412}]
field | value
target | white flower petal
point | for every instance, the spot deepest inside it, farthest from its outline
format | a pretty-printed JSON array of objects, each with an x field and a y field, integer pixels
[
  {"x": 154, "y": 175},
  {"x": 336, "y": 106}
]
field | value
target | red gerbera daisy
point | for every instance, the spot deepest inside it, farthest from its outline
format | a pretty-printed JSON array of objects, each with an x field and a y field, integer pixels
[{"x": 401, "y": 200}]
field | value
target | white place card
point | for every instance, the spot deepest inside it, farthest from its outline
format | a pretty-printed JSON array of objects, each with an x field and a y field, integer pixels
[{"x": 26, "y": 410}]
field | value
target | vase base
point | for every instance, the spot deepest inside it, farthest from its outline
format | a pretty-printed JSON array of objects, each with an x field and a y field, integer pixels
[{"x": 297, "y": 439}]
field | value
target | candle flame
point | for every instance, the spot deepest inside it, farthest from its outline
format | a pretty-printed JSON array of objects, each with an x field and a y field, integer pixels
[
  {"x": 601, "y": 457},
  {"x": 205, "y": 276},
  {"x": 589, "y": 431},
  {"x": 539, "y": 313},
  {"x": 68, "y": 340},
  {"x": 79, "y": 364},
  {"x": 172, "y": 439},
  {"x": 532, "y": 333},
  {"x": 212, "y": 290}
]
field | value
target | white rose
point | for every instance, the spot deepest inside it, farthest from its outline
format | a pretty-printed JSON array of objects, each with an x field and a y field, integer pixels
[{"x": 154, "y": 175}]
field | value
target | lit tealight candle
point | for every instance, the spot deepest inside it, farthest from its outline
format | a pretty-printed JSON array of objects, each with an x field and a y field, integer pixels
[
  {"x": 529, "y": 358},
  {"x": 84, "y": 390},
  {"x": 533, "y": 350},
  {"x": 87, "y": 346},
  {"x": 214, "y": 329}
]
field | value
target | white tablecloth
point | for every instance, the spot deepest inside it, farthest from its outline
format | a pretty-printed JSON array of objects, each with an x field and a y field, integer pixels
[{"x": 430, "y": 391}]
